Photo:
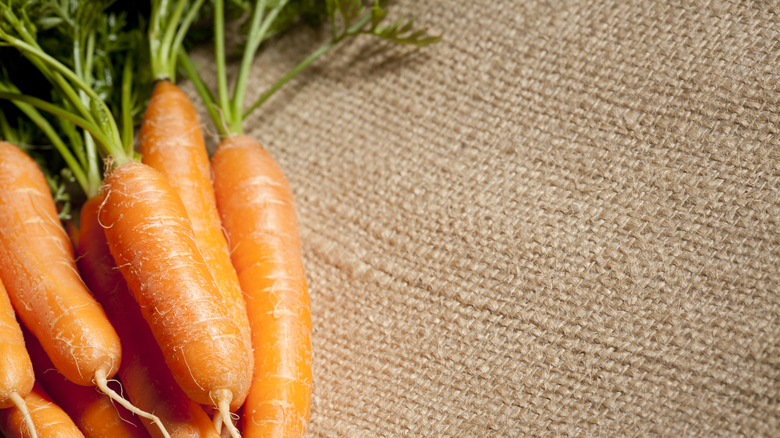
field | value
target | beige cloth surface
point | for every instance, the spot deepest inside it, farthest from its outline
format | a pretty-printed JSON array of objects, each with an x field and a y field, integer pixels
[{"x": 562, "y": 220}]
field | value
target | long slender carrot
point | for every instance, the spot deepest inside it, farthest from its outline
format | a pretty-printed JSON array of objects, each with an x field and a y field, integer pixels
[
  {"x": 16, "y": 371},
  {"x": 94, "y": 413},
  {"x": 259, "y": 218},
  {"x": 39, "y": 272},
  {"x": 258, "y": 214},
  {"x": 256, "y": 207},
  {"x": 145, "y": 376},
  {"x": 49, "y": 419},
  {"x": 152, "y": 242},
  {"x": 171, "y": 141}
]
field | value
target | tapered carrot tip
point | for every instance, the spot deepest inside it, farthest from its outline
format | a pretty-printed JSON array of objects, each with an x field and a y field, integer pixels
[{"x": 153, "y": 244}]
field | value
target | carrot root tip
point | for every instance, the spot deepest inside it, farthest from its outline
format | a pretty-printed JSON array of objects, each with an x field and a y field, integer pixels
[
  {"x": 102, "y": 383},
  {"x": 217, "y": 420},
  {"x": 224, "y": 397},
  {"x": 20, "y": 404}
]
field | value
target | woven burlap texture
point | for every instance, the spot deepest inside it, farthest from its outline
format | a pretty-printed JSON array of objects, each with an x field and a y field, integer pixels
[{"x": 562, "y": 220}]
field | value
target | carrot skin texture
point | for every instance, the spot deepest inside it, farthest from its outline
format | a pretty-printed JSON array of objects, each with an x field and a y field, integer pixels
[
  {"x": 258, "y": 213},
  {"x": 39, "y": 273},
  {"x": 146, "y": 378},
  {"x": 16, "y": 371},
  {"x": 92, "y": 412},
  {"x": 171, "y": 141},
  {"x": 152, "y": 242},
  {"x": 49, "y": 419}
]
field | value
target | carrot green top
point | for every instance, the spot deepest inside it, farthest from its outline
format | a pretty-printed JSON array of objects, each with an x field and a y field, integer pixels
[
  {"x": 82, "y": 77},
  {"x": 348, "y": 18}
]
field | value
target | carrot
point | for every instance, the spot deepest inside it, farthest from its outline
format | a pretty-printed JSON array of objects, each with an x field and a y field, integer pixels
[
  {"x": 49, "y": 419},
  {"x": 37, "y": 268},
  {"x": 256, "y": 207},
  {"x": 259, "y": 217},
  {"x": 16, "y": 371},
  {"x": 145, "y": 376},
  {"x": 171, "y": 141},
  {"x": 93, "y": 412},
  {"x": 152, "y": 242}
]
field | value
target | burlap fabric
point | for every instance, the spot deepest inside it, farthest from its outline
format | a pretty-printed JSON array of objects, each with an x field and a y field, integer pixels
[{"x": 562, "y": 220}]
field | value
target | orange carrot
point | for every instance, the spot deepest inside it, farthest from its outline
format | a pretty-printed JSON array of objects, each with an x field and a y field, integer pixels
[
  {"x": 94, "y": 413},
  {"x": 38, "y": 270},
  {"x": 145, "y": 376},
  {"x": 257, "y": 210},
  {"x": 152, "y": 242},
  {"x": 49, "y": 419},
  {"x": 16, "y": 371},
  {"x": 171, "y": 141}
]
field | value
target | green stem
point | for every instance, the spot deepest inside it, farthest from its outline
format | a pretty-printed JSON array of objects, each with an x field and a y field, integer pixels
[
  {"x": 90, "y": 58},
  {"x": 219, "y": 50},
  {"x": 93, "y": 167},
  {"x": 203, "y": 91},
  {"x": 179, "y": 39},
  {"x": 351, "y": 31},
  {"x": 9, "y": 134},
  {"x": 87, "y": 184},
  {"x": 166, "y": 48},
  {"x": 42, "y": 60},
  {"x": 93, "y": 170},
  {"x": 109, "y": 146},
  {"x": 127, "y": 106},
  {"x": 104, "y": 119},
  {"x": 255, "y": 37},
  {"x": 79, "y": 97},
  {"x": 291, "y": 74},
  {"x": 159, "y": 10}
]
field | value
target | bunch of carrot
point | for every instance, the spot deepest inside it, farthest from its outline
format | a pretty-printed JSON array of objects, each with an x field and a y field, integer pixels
[{"x": 183, "y": 276}]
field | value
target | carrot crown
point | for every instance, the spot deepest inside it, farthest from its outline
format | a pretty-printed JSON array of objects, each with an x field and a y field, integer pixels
[{"x": 348, "y": 18}]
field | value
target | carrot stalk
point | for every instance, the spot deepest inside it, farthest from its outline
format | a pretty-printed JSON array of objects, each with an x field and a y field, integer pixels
[{"x": 146, "y": 377}]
